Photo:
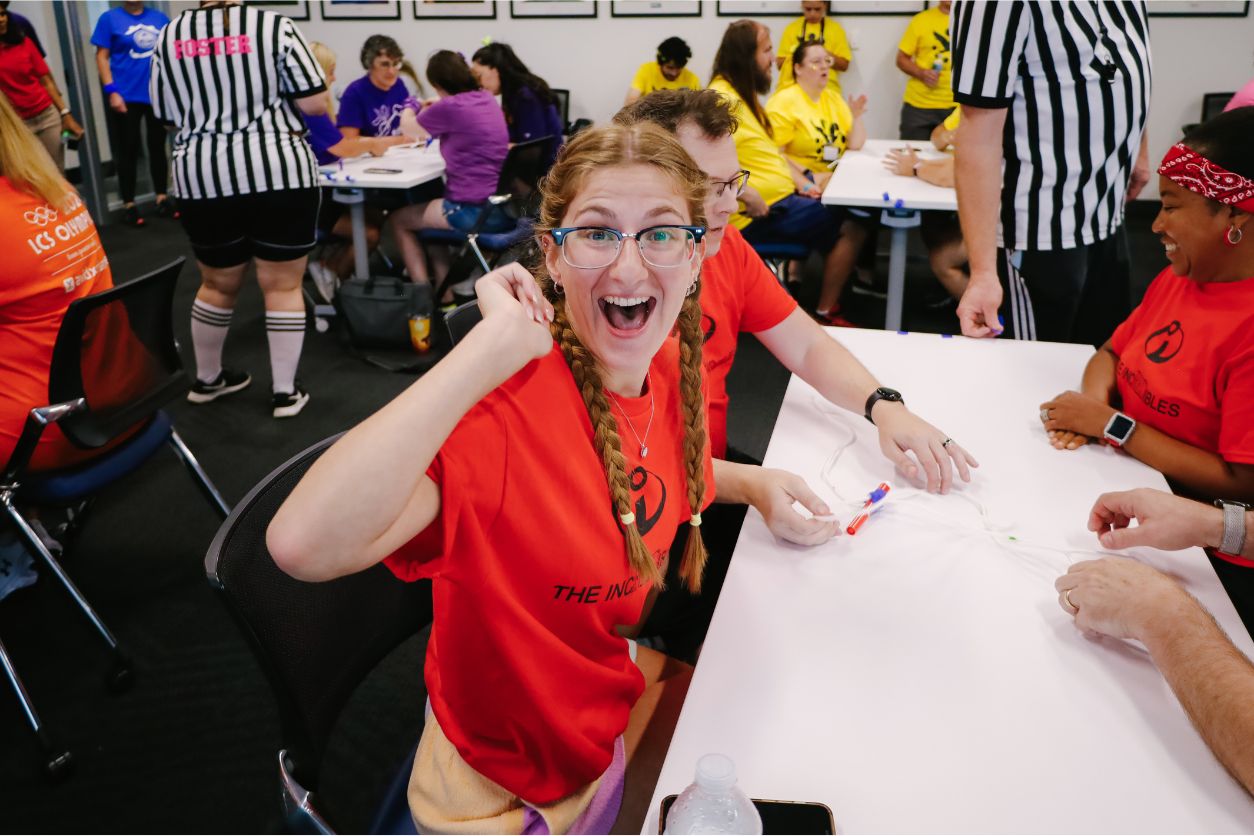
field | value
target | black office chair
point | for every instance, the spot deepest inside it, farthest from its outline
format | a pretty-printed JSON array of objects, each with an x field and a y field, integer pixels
[
  {"x": 114, "y": 364},
  {"x": 1213, "y": 104},
  {"x": 517, "y": 194},
  {"x": 563, "y": 106},
  {"x": 315, "y": 641},
  {"x": 461, "y": 319}
]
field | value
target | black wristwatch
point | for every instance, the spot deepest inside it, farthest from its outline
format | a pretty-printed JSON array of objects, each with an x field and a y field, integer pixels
[{"x": 881, "y": 394}]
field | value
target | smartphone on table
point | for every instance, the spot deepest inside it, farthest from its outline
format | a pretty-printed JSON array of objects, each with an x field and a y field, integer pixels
[
  {"x": 802, "y": 817},
  {"x": 383, "y": 171}
]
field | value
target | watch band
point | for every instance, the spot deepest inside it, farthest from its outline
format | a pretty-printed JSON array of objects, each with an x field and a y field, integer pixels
[
  {"x": 1234, "y": 528},
  {"x": 65, "y": 111}
]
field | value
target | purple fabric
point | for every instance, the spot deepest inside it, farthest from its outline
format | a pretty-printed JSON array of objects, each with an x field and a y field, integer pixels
[
  {"x": 473, "y": 141},
  {"x": 372, "y": 111},
  {"x": 322, "y": 135},
  {"x": 601, "y": 812}
]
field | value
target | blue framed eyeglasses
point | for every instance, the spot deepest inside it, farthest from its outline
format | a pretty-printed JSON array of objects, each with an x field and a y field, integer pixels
[{"x": 593, "y": 247}]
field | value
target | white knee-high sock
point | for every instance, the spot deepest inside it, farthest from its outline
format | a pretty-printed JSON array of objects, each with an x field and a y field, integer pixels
[
  {"x": 286, "y": 332},
  {"x": 209, "y": 327}
]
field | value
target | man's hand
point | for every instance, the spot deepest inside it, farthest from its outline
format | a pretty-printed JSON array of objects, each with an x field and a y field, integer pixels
[
  {"x": 1163, "y": 521},
  {"x": 1140, "y": 172},
  {"x": 117, "y": 102},
  {"x": 773, "y": 494},
  {"x": 1119, "y": 597},
  {"x": 977, "y": 310},
  {"x": 902, "y": 433},
  {"x": 1074, "y": 418},
  {"x": 902, "y": 162},
  {"x": 755, "y": 206},
  {"x": 930, "y": 77}
]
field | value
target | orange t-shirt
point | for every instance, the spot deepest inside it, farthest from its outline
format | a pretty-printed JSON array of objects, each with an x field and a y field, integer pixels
[
  {"x": 738, "y": 293},
  {"x": 51, "y": 257},
  {"x": 525, "y": 671},
  {"x": 1186, "y": 363}
]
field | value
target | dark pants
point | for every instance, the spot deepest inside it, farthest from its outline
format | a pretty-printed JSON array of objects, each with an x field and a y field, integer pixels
[
  {"x": 1078, "y": 295},
  {"x": 124, "y": 135},
  {"x": 919, "y": 122}
]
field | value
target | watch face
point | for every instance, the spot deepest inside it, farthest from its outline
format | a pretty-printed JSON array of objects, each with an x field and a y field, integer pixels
[
  {"x": 888, "y": 394},
  {"x": 1120, "y": 426}
]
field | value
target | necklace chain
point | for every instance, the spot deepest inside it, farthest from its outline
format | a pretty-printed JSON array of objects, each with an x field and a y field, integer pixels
[{"x": 643, "y": 442}]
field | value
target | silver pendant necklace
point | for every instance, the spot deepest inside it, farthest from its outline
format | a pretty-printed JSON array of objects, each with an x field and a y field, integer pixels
[{"x": 643, "y": 442}]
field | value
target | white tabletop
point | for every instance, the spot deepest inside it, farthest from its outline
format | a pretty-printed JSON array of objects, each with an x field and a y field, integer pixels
[
  {"x": 414, "y": 166},
  {"x": 860, "y": 179},
  {"x": 919, "y": 677}
]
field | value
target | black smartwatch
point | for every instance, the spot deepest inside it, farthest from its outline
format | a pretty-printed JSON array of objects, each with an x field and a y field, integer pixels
[{"x": 881, "y": 394}]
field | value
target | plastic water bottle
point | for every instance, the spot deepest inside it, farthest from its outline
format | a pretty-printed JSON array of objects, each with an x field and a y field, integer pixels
[{"x": 713, "y": 803}]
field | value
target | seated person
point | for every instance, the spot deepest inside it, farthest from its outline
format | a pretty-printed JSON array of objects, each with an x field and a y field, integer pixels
[
  {"x": 1182, "y": 365},
  {"x": 538, "y": 704},
  {"x": 372, "y": 105},
  {"x": 812, "y": 125},
  {"x": 668, "y": 72},
  {"x": 474, "y": 143},
  {"x": 41, "y": 274},
  {"x": 329, "y": 145},
  {"x": 774, "y": 211},
  {"x": 530, "y": 106},
  {"x": 1125, "y": 599}
]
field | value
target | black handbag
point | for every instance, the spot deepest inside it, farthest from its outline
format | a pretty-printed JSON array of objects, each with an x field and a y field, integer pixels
[{"x": 377, "y": 310}]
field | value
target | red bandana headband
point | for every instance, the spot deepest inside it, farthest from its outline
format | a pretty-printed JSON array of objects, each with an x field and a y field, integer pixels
[{"x": 1185, "y": 167}]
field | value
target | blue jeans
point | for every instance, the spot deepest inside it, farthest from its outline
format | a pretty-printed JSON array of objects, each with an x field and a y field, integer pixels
[
  {"x": 797, "y": 220},
  {"x": 462, "y": 217}
]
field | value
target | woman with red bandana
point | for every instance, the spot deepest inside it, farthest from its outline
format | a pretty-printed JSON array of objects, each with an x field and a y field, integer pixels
[{"x": 1174, "y": 385}]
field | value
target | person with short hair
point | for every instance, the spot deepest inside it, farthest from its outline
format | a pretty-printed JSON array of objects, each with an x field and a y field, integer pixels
[
  {"x": 234, "y": 80},
  {"x": 372, "y": 105},
  {"x": 668, "y": 72},
  {"x": 474, "y": 142},
  {"x": 124, "y": 38},
  {"x": 814, "y": 24},
  {"x": 924, "y": 56},
  {"x": 27, "y": 82},
  {"x": 1174, "y": 385},
  {"x": 536, "y": 476}
]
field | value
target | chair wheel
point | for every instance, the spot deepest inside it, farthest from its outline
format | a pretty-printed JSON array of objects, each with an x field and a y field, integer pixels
[
  {"x": 121, "y": 677},
  {"x": 59, "y": 764}
]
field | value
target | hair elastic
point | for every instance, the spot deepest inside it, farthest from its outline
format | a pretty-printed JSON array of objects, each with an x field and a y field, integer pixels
[
  {"x": 628, "y": 518},
  {"x": 695, "y": 519}
]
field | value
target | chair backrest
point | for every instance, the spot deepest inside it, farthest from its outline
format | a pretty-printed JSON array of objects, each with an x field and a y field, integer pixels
[
  {"x": 461, "y": 319},
  {"x": 1213, "y": 104},
  {"x": 525, "y": 164},
  {"x": 563, "y": 105},
  {"x": 116, "y": 349},
  {"x": 316, "y": 641}
]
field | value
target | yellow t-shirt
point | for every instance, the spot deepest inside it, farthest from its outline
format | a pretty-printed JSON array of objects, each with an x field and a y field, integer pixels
[
  {"x": 649, "y": 78},
  {"x": 927, "y": 42},
  {"x": 758, "y": 153},
  {"x": 804, "y": 127},
  {"x": 829, "y": 31}
]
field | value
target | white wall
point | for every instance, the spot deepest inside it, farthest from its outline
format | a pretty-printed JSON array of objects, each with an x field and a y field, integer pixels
[{"x": 596, "y": 58}]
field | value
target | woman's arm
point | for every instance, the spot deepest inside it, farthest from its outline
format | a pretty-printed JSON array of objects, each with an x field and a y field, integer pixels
[
  {"x": 1099, "y": 375},
  {"x": 114, "y": 99},
  {"x": 773, "y": 493},
  {"x": 67, "y": 120},
  {"x": 804, "y": 185},
  {"x": 369, "y": 494},
  {"x": 374, "y": 145}
]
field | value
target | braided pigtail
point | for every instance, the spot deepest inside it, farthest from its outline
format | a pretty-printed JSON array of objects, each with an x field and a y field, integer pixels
[
  {"x": 691, "y": 338},
  {"x": 605, "y": 438}
]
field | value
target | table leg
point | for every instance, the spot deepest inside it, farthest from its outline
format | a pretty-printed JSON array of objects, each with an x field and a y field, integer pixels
[
  {"x": 899, "y": 221},
  {"x": 356, "y": 201}
]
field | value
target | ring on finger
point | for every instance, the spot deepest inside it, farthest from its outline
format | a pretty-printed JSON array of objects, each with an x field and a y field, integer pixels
[
  {"x": 1044, "y": 414},
  {"x": 1066, "y": 596},
  {"x": 947, "y": 442}
]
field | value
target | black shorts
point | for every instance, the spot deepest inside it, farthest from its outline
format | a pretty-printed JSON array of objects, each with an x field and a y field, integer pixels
[{"x": 272, "y": 226}]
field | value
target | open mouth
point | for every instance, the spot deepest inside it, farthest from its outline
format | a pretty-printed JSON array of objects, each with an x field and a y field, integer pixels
[
  {"x": 627, "y": 313},
  {"x": 1169, "y": 247}
]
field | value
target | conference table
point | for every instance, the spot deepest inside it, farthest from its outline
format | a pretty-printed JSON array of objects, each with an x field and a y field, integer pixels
[
  {"x": 920, "y": 676},
  {"x": 401, "y": 167},
  {"x": 860, "y": 179}
]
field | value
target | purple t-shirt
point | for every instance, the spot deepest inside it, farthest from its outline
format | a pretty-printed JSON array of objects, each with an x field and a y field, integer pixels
[
  {"x": 322, "y": 135},
  {"x": 372, "y": 111},
  {"x": 473, "y": 141}
]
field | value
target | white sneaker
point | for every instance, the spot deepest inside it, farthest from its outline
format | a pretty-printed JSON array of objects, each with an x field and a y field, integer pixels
[
  {"x": 325, "y": 280},
  {"x": 465, "y": 288},
  {"x": 289, "y": 404}
]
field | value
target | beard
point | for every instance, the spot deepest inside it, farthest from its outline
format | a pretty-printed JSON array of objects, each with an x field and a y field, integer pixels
[{"x": 761, "y": 80}]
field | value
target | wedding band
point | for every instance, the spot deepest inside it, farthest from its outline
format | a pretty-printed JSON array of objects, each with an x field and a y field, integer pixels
[
  {"x": 1044, "y": 414},
  {"x": 1066, "y": 596},
  {"x": 947, "y": 442}
]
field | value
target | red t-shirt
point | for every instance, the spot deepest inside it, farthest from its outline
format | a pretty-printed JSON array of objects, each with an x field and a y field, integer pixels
[
  {"x": 51, "y": 257},
  {"x": 525, "y": 671},
  {"x": 1186, "y": 363},
  {"x": 21, "y": 67},
  {"x": 738, "y": 293}
]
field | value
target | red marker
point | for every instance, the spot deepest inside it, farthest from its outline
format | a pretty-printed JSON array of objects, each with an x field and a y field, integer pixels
[{"x": 873, "y": 498}]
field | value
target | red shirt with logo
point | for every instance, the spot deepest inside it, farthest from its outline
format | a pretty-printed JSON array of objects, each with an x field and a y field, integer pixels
[
  {"x": 51, "y": 257},
  {"x": 738, "y": 293},
  {"x": 1186, "y": 363},
  {"x": 525, "y": 671}
]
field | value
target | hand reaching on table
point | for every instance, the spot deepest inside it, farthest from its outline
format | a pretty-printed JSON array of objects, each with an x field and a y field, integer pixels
[
  {"x": 902, "y": 162},
  {"x": 1072, "y": 418},
  {"x": 903, "y": 434},
  {"x": 1119, "y": 597},
  {"x": 773, "y": 494},
  {"x": 1163, "y": 521}
]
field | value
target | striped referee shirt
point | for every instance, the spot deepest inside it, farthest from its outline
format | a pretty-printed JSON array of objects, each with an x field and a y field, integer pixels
[
  {"x": 226, "y": 78},
  {"x": 1075, "y": 77}
]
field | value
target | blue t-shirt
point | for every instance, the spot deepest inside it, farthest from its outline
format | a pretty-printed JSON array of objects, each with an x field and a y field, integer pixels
[
  {"x": 130, "y": 40},
  {"x": 370, "y": 110},
  {"x": 322, "y": 135}
]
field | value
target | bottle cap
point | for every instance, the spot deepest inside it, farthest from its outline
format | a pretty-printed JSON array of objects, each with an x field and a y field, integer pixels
[{"x": 716, "y": 773}]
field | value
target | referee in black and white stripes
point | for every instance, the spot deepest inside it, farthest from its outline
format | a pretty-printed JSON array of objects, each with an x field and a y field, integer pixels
[
  {"x": 233, "y": 81},
  {"x": 1054, "y": 101}
]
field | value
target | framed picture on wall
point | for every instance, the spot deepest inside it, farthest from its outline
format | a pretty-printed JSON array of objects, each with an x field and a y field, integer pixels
[
  {"x": 655, "y": 8},
  {"x": 837, "y": 8},
  {"x": 295, "y": 9},
  {"x": 361, "y": 9},
  {"x": 1198, "y": 8},
  {"x": 553, "y": 8},
  {"x": 454, "y": 9}
]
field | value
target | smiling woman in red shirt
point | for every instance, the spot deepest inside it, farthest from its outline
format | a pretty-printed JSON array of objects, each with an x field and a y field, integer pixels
[
  {"x": 1174, "y": 386},
  {"x": 538, "y": 475}
]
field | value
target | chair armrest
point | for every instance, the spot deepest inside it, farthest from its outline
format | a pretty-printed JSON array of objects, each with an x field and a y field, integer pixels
[{"x": 32, "y": 431}]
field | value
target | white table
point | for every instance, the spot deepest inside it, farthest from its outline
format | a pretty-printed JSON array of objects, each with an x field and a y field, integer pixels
[
  {"x": 349, "y": 179},
  {"x": 860, "y": 179},
  {"x": 922, "y": 679}
]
